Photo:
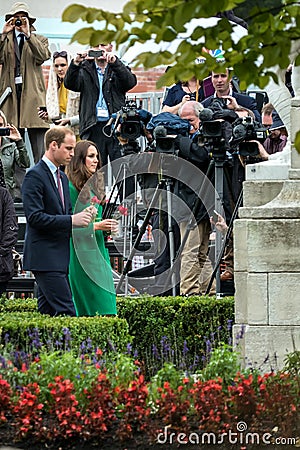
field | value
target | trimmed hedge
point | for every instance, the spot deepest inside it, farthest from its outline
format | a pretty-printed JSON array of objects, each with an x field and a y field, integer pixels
[
  {"x": 176, "y": 329},
  {"x": 28, "y": 330},
  {"x": 181, "y": 330}
]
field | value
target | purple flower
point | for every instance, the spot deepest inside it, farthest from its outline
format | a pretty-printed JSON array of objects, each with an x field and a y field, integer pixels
[
  {"x": 129, "y": 348},
  {"x": 185, "y": 348}
]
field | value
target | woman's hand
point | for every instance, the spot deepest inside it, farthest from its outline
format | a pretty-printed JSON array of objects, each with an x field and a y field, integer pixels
[
  {"x": 109, "y": 225},
  {"x": 14, "y": 133}
]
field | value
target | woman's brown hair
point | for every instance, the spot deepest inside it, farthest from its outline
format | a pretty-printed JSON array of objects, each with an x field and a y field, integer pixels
[{"x": 78, "y": 173}]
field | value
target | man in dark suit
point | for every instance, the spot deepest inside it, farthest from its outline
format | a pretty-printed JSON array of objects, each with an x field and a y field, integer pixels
[
  {"x": 223, "y": 89},
  {"x": 48, "y": 212}
]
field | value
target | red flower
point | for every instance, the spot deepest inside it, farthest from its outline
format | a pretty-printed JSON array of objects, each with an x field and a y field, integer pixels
[
  {"x": 123, "y": 210},
  {"x": 95, "y": 200}
]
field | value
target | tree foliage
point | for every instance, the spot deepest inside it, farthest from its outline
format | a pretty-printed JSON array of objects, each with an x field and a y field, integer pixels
[{"x": 267, "y": 43}]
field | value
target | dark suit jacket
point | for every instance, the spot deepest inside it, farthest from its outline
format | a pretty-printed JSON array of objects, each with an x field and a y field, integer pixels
[
  {"x": 48, "y": 229},
  {"x": 242, "y": 100}
]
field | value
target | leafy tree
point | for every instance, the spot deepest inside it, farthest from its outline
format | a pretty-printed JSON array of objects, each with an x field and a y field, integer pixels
[{"x": 268, "y": 42}]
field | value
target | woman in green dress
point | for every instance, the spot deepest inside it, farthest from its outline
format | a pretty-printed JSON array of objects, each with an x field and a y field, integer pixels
[{"x": 90, "y": 271}]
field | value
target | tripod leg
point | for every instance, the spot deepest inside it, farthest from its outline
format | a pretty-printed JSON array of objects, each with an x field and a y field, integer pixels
[
  {"x": 171, "y": 235},
  {"x": 109, "y": 207},
  {"x": 140, "y": 234},
  {"x": 219, "y": 195},
  {"x": 225, "y": 241}
]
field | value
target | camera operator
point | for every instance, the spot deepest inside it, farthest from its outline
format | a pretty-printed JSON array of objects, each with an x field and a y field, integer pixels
[
  {"x": 194, "y": 254},
  {"x": 103, "y": 81}
]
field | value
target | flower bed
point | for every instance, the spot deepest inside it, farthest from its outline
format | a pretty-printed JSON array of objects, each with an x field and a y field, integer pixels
[{"x": 114, "y": 405}]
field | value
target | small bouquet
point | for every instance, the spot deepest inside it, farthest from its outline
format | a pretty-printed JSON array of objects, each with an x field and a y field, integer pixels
[
  {"x": 119, "y": 212},
  {"x": 95, "y": 202}
]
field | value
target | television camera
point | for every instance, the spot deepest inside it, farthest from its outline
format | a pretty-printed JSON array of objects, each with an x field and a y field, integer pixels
[
  {"x": 215, "y": 128},
  {"x": 132, "y": 121},
  {"x": 166, "y": 129},
  {"x": 245, "y": 130}
]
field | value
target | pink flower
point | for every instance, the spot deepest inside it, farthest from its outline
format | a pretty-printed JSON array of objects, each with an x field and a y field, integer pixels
[
  {"x": 123, "y": 210},
  {"x": 95, "y": 200}
]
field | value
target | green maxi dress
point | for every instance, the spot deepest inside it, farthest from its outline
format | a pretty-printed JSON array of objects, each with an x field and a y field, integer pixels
[{"x": 90, "y": 271}]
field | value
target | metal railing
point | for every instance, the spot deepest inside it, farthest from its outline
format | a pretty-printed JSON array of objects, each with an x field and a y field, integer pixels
[{"x": 151, "y": 101}]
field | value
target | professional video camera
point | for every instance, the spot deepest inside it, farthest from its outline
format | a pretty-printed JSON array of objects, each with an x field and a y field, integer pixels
[
  {"x": 245, "y": 129},
  {"x": 215, "y": 130},
  {"x": 132, "y": 120},
  {"x": 166, "y": 128}
]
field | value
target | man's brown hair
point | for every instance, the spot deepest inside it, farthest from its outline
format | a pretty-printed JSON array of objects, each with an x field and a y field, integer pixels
[{"x": 57, "y": 134}]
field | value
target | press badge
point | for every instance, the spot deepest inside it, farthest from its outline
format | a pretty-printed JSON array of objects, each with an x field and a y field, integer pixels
[
  {"x": 19, "y": 80},
  {"x": 102, "y": 113}
]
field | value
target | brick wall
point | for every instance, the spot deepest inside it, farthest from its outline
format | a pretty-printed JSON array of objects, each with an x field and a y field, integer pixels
[{"x": 146, "y": 80}]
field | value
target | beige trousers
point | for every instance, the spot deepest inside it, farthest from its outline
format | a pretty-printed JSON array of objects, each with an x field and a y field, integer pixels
[{"x": 194, "y": 258}]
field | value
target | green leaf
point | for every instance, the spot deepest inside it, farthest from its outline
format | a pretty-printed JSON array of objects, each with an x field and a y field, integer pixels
[
  {"x": 83, "y": 36},
  {"x": 73, "y": 13}
]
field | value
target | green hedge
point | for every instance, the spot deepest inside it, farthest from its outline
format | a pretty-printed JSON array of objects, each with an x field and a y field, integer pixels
[
  {"x": 25, "y": 331},
  {"x": 159, "y": 329},
  {"x": 182, "y": 329}
]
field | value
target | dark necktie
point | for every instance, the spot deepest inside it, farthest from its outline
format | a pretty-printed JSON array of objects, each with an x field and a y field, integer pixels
[
  {"x": 21, "y": 43},
  {"x": 59, "y": 187}
]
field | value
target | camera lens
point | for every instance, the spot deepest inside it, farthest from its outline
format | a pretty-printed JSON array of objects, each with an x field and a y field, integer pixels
[{"x": 18, "y": 22}]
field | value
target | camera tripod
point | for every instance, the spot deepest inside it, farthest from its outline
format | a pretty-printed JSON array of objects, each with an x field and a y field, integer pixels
[
  {"x": 216, "y": 167},
  {"x": 119, "y": 190},
  {"x": 164, "y": 184}
]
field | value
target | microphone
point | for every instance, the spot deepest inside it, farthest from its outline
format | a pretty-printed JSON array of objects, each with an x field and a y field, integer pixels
[
  {"x": 159, "y": 132},
  {"x": 206, "y": 114}
]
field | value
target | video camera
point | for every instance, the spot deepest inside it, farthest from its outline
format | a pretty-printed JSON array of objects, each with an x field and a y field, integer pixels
[
  {"x": 213, "y": 132},
  {"x": 132, "y": 120},
  {"x": 245, "y": 129},
  {"x": 165, "y": 128}
]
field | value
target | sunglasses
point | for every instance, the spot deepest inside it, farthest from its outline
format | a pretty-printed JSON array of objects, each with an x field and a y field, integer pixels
[{"x": 62, "y": 54}]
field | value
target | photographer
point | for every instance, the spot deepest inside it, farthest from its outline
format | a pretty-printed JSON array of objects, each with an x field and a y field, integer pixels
[
  {"x": 182, "y": 92},
  {"x": 194, "y": 254},
  {"x": 222, "y": 84},
  {"x": 22, "y": 54},
  {"x": 13, "y": 152},
  {"x": 103, "y": 81}
]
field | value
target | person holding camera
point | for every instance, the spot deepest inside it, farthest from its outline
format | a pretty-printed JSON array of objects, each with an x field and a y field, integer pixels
[
  {"x": 182, "y": 92},
  {"x": 224, "y": 91},
  {"x": 103, "y": 81},
  {"x": 22, "y": 53},
  {"x": 194, "y": 275},
  {"x": 13, "y": 152}
]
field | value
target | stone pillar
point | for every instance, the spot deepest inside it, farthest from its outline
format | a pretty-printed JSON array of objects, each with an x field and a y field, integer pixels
[{"x": 267, "y": 262}]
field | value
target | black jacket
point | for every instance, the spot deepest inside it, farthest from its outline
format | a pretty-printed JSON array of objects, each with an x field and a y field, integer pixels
[
  {"x": 243, "y": 100},
  {"x": 8, "y": 234},
  {"x": 83, "y": 78}
]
